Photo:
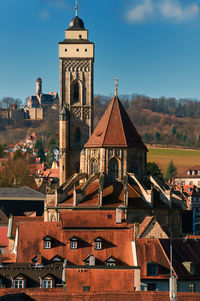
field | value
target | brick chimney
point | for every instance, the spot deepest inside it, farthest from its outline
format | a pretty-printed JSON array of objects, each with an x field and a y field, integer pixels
[{"x": 39, "y": 259}]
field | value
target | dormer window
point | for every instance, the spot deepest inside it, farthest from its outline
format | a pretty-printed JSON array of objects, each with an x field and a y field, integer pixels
[
  {"x": 57, "y": 258},
  {"x": 74, "y": 243},
  {"x": 189, "y": 172},
  {"x": 47, "y": 282},
  {"x": 194, "y": 172},
  {"x": 98, "y": 243},
  {"x": 90, "y": 260},
  {"x": 110, "y": 261},
  {"x": 152, "y": 269},
  {"x": 19, "y": 282},
  {"x": 47, "y": 242}
]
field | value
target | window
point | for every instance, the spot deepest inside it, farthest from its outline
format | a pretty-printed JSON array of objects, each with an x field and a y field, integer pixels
[
  {"x": 85, "y": 50},
  {"x": 77, "y": 50},
  {"x": 94, "y": 166},
  {"x": 65, "y": 50},
  {"x": 152, "y": 269},
  {"x": 86, "y": 288},
  {"x": 78, "y": 136},
  {"x": 76, "y": 92},
  {"x": 151, "y": 287},
  {"x": 111, "y": 262},
  {"x": 19, "y": 282},
  {"x": 47, "y": 283},
  {"x": 109, "y": 216},
  {"x": 191, "y": 287},
  {"x": 193, "y": 269},
  {"x": 98, "y": 245},
  {"x": 113, "y": 169},
  {"x": 80, "y": 36},
  {"x": 47, "y": 244},
  {"x": 73, "y": 245}
]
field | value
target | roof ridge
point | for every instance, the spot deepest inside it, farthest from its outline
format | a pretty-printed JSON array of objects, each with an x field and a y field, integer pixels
[
  {"x": 112, "y": 105},
  {"x": 118, "y": 102},
  {"x": 167, "y": 257}
]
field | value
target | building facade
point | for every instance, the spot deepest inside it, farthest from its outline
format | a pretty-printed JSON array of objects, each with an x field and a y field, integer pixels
[{"x": 76, "y": 54}]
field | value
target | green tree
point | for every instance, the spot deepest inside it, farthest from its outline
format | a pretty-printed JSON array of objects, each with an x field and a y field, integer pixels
[
  {"x": 40, "y": 150},
  {"x": 173, "y": 130},
  {"x": 154, "y": 170},
  {"x": 157, "y": 136},
  {"x": 1, "y": 150},
  {"x": 18, "y": 154},
  {"x": 50, "y": 156},
  {"x": 171, "y": 171}
]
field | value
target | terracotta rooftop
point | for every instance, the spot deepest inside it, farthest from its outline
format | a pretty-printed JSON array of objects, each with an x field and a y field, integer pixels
[
  {"x": 116, "y": 242},
  {"x": 149, "y": 250},
  {"x": 113, "y": 196},
  {"x": 86, "y": 219},
  {"x": 115, "y": 129}
]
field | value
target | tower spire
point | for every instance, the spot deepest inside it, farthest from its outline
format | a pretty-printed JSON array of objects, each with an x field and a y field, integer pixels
[
  {"x": 76, "y": 8},
  {"x": 116, "y": 86}
]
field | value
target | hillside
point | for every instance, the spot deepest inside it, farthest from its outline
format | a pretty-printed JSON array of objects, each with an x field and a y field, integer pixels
[
  {"x": 166, "y": 122},
  {"x": 183, "y": 159}
]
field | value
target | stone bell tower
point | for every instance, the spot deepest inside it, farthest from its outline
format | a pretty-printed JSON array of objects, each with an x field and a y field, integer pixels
[{"x": 76, "y": 54}]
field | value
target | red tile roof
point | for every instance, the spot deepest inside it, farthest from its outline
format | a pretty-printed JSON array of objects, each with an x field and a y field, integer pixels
[
  {"x": 59, "y": 294},
  {"x": 115, "y": 129},
  {"x": 116, "y": 242},
  {"x": 3, "y": 236},
  {"x": 88, "y": 219},
  {"x": 18, "y": 219},
  {"x": 150, "y": 250},
  {"x": 113, "y": 196}
]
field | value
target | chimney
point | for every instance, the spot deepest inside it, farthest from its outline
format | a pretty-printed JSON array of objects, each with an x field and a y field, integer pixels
[
  {"x": 92, "y": 260},
  {"x": 118, "y": 216},
  {"x": 136, "y": 230},
  {"x": 39, "y": 259}
]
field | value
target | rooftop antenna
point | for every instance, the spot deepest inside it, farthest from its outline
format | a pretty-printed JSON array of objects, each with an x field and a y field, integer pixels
[
  {"x": 116, "y": 86},
  {"x": 76, "y": 8}
]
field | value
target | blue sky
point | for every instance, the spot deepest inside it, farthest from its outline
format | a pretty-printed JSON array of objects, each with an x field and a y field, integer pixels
[{"x": 152, "y": 46}]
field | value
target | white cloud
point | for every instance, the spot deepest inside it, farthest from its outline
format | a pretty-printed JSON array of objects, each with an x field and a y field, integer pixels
[
  {"x": 172, "y": 10},
  {"x": 44, "y": 15},
  {"x": 141, "y": 11}
]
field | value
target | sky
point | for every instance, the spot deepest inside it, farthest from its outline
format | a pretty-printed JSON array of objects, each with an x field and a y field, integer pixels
[{"x": 151, "y": 46}]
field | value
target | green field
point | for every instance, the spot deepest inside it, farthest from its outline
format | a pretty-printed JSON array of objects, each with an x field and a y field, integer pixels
[{"x": 183, "y": 159}]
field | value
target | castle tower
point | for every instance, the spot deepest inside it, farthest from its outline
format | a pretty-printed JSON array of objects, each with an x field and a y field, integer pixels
[
  {"x": 38, "y": 86},
  {"x": 76, "y": 54}
]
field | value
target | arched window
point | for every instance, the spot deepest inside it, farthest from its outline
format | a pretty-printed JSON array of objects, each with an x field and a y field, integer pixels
[
  {"x": 76, "y": 92},
  {"x": 94, "y": 166},
  {"x": 78, "y": 136},
  {"x": 113, "y": 169}
]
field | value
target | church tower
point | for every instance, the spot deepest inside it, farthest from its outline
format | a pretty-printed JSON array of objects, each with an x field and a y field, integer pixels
[{"x": 76, "y": 54}]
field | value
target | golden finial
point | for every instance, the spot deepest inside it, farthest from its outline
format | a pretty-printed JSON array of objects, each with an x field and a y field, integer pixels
[
  {"x": 76, "y": 8},
  {"x": 116, "y": 86}
]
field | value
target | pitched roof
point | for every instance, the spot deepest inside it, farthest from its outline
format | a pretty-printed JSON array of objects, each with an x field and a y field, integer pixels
[
  {"x": 149, "y": 250},
  {"x": 98, "y": 219},
  {"x": 117, "y": 242},
  {"x": 21, "y": 192},
  {"x": 115, "y": 129}
]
